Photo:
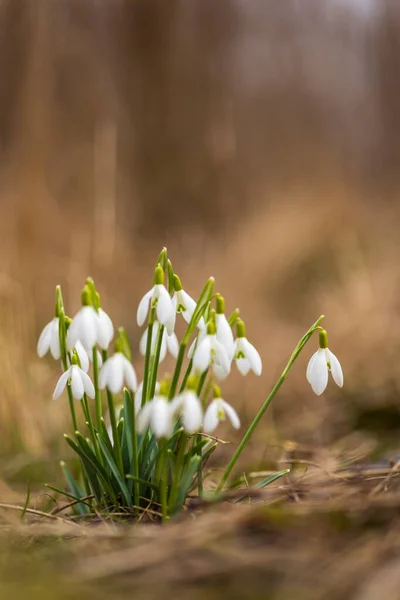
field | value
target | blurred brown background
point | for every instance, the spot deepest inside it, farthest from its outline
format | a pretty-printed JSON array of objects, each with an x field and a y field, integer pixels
[{"x": 259, "y": 141}]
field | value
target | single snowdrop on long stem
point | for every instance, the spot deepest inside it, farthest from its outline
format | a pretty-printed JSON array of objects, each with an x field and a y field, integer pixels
[
  {"x": 210, "y": 351},
  {"x": 246, "y": 356},
  {"x": 79, "y": 380},
  {"x": 217, "y": 411},
  {"x": 116, "y": 371},
  {"x": 49, "y": 340},
  {"x": 158, "y": 298},
  {"x": 321, "y": 363}
]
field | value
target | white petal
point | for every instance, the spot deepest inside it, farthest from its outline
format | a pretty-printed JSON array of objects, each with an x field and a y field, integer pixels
[
  {"x": 161, "y": 418},
  {"x": 164, "y": 308},
  {"x": 231, "y": 414},
  {"x": 143, "y": 308},
  {"x": 243, "y": 365},
  {"x": 164, "y": 347},
  {"x": 87, "y": 384},
  {"x": 115, "y": 374},
  {"x": 143, "y": 343},
  {"x": 309, "y": 366},
  {"x": 43, "y": 344},
  {"x": 144, "y": 417},
  {"x": 105, "y": 329},
  {"x": 211, "y": 420},
  {"x": 130, "y": 375},
  {"x": 220, "y": 373},
  {"x": 319, "y": 373},
  {"x": 84, "y": 328},
  {"x": 173, "y": 345},
  {"x": 55, "y": 340},
  {"x": 336, "y": 368},
  {"x": 189, "y": 304},
  {"x": 221, "y": 356},
  {"x": 82, "y": 355},
  {"x": 224, "y": 334},
  {"x": 192, "y": 412},
  {"x": 138, "y": 398},
  {"x": 104, "y": 371},
  {"x": 77, "y": 386},
  {"x": 62, "y": 382},
  {"x": 202, "y": 355},
  {"x": 253, "y": 357}
]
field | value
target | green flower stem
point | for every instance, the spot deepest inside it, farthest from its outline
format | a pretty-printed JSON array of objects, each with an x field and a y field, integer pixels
[
  {"x": 186, "y": 376},
  {"x": 72, "y": 408},
  {"x": 156, "y": 362},
  {"x": 178, "y": 471},
  {"x": 147, "y": 357},
  {"x": 113, "y": 421},
  {"x": 135, "y": 457},
  {"x": 177, "y": 372},
  {"x": 89, "y": 421},
  {"x": 197, "y": 437},
  {"x": 267, "y": 402},
  {"x": 97, "y": 398},
  {"x": 163, "y": 480}
]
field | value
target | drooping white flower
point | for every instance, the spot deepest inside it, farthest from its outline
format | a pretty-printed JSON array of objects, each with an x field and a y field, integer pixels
[
  {"x": 139, "y": 394},
  {"x": 188, "y": 406},
  {"x": 246, "y": 356},
  {"x": 116, "y": 370},
  {"x": 158, "y": 413},
  {"x": 209, "y": 351},
  {"x": 169, "y": 343},
  {"x": 321, "y": 362},
  {"x": 218, "y": 410},
  {"x": 49, "y": 340},
  {"x": 80, "y": 383},
  {"x": 83, "y": 356},
  {"x": 159, "y": 298},
  {"x": 106, "y": 329},
  {"x": 182, "y": 303},
  {"x": 223, "y": 329}
]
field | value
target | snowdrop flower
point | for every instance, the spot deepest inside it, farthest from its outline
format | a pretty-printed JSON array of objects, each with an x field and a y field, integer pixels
[
  {"x": 159, "y": 415},
  {"x": 49, "y": 340},
  {"x": 210, "y": 351},
  {"x": 159, "y": 299},
  {"x": 224, "y": 330},
  {"x": 90, "y": 327},
  {"x": 169, "y": 343},
  {"x": 188, "y": 406},
  {"x": 246, "y": 356},
  {"x": 80, "y": 382},
  {"x": 83, "y": 356},
  {"x": 321, "y": 362},
  {"x": 116, "y": 370},
  {"x": 217, "y": 411},
  {"x": 182, "y": 303}
]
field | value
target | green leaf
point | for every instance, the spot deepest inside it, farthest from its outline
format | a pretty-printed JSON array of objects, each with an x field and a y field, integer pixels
[
  {"x": 113, "y": 466},
  {"x": 73, "y": 486},
  {"x": 271, "y": 478},
  {"x": 186, "y": 480}
]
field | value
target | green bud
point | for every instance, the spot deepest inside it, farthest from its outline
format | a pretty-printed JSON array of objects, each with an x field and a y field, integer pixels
[
  {"x": 158, "y": 275},
  {"x": 240, "y": 328},
  {"x": 67, "y": 321},
  {"x": 125, "y": 342},
  {"x": 220, "y": 304},
  {"x": 164, "y": 387},
  {"x": 323, "y": 339},
  {"x": 216, "y": 391},
  {"x": 75, "y": 359},
  {"x": 177, "y": 284},
  {"x": 211, "y": 328},
  {"x": 192, "y": 383},
  {"x": 119, "y": 345},
  {"x": 86, "y": 297}
]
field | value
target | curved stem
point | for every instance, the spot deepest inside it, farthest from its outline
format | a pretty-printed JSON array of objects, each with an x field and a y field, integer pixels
[
  {"x": 267, "y": 402},
  {"x": 97, "y": 398}
]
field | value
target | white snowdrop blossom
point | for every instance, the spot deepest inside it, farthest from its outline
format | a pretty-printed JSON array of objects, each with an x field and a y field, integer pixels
[
  {"x": 169, "y": 343},
  {"x": 182, "y": 303},
  {"x": 158, "y": 413},
  {"x": 90, "y": 328},
  {"x": 209, "y": 351},
  {"x": 246, "y": 356},
  {"x": 217, "y": 411},
  {"x": 49, "y": 340},
  {"x": 83, "y": 356},
  {"x": 223, "y": 329},
  {"x": 321, "y": 362},
  {"x": 116, "y": 370},
  {"x": 159, "y": 298},
  {"x": 80, "y": 383},
  {"x": 188, "y": 406}
]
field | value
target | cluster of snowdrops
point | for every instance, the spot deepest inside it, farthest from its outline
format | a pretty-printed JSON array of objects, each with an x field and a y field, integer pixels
[{"x": 147, "y": 451}]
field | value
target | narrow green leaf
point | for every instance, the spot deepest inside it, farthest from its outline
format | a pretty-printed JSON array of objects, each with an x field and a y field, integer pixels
[
  {"x": 114, "y": 468},
  {"x": 186, "y": 480}
]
